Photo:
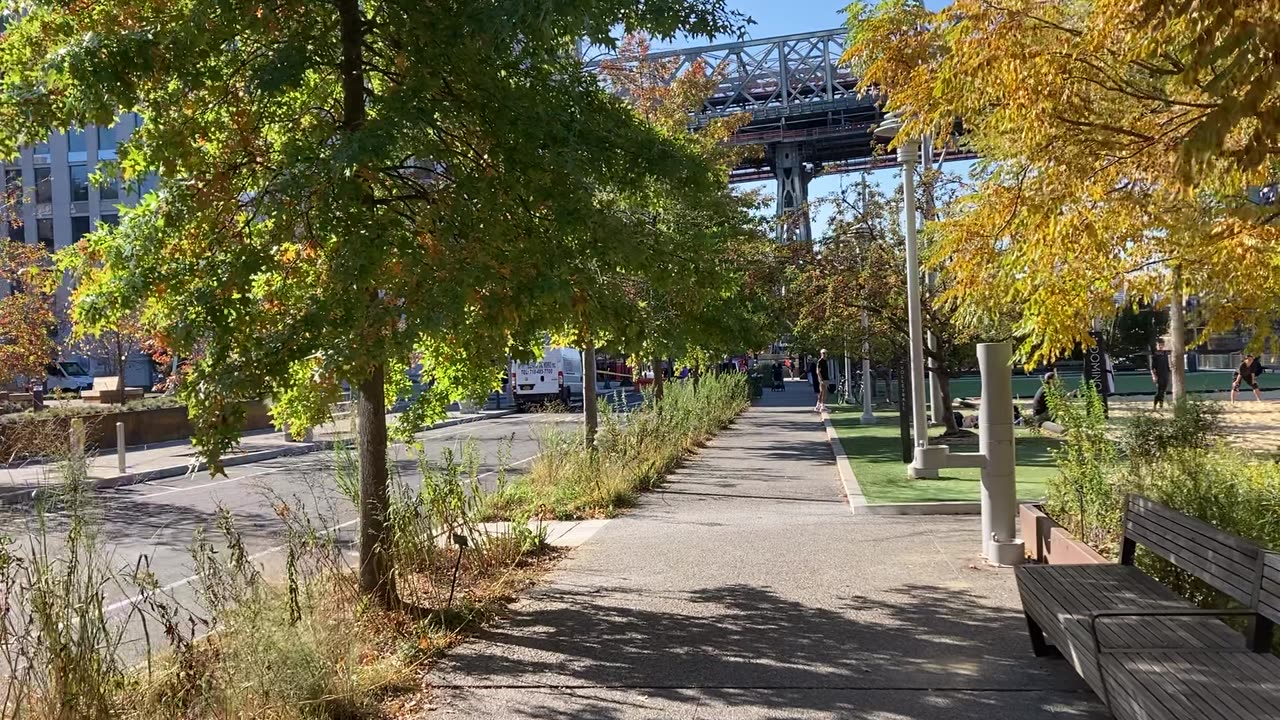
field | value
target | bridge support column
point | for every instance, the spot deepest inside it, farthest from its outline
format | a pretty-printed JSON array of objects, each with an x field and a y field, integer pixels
[{"x": 793, "y": 194}]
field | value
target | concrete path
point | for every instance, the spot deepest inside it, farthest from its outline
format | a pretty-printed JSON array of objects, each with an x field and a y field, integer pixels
[{"x": 747, "y": 589}]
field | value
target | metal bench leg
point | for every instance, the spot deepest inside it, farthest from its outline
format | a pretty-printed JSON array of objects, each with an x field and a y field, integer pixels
[
  {"x": 1038, "y": 644},
  {"x": 1259, "y": 635}
]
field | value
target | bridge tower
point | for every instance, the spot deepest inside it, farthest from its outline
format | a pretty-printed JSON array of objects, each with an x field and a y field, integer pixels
[{"x": 793, "y": 192}]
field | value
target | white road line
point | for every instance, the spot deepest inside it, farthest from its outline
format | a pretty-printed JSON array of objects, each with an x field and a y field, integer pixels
[
  {"x": 128, "y": 602},
  {"x": 170, "y": 491}
]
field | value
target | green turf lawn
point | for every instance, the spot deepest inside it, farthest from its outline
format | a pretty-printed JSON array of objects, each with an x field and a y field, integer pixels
[
  {"x": 876, "y": 457},
  {"x": 1025, "y": 386}
]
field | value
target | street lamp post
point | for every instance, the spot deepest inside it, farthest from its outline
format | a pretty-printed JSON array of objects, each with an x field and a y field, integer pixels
[
  {"x": 908, "y": 156},
  {"x": 868, "y": 383}
]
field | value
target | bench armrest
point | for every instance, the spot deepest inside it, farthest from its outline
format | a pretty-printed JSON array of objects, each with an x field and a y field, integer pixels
[{"x": 1098, "y": 615}]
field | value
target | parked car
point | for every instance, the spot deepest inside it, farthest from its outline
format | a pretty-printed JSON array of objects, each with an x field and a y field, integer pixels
[
  {"x": 557, "y": 376},
  {"x": 67, "y": 376}
]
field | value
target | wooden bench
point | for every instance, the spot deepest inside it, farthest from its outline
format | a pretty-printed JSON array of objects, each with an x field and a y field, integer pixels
[
  {"x": 1147, "y": 652},
  {"x": 107, "y": 390}
]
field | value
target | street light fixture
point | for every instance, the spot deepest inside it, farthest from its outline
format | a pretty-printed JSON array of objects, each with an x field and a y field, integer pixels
[{"x": 908, "y": 156}]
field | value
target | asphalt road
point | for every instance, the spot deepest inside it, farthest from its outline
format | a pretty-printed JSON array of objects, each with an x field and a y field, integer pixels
[{"x": 154, "y": 523}]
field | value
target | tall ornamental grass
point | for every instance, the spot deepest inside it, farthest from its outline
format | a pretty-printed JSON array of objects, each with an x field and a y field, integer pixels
[{"x": 633, "y": 452}]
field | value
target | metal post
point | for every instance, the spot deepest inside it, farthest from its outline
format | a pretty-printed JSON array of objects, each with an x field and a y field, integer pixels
[
  {"x": 868, "y": 384},
  {"x": 908, "y": 153},
  {"x": 935, "y": 383},
  {"x": 1000, "y": 545},
  {"x": 120, "y": 446}
]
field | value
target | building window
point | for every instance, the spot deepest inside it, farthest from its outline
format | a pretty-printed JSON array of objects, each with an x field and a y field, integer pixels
[
  {"x": 106, "y": 138},
  {"x": 17, "y": 232},
  {"x": 79, "y": 183},
  {"x": 44, "y": 233},
  {"x": 75, "y": 140},
  {"x": 41, "y": 148},
  {"x": 79, "y": 228},
  {"x": 44, "y": 185},
  {"x": 13, "y": 190},
  {"x": 109, "y": 220},
  {"x": 110, "y": 190}
]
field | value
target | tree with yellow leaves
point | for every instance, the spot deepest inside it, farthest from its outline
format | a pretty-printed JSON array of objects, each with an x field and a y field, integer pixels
[{"x": 1117, "y": 149}]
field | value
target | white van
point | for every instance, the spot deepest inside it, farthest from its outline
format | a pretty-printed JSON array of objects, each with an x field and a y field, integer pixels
[
  {"x": 556, "y": 377},
  {"x": 67, "y": 376}
]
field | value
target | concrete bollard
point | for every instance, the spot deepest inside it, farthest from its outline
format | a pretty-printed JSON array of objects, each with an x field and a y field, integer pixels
[
  {"x": 120, "y": 446},
  {"x": 1000, "y": 544}
]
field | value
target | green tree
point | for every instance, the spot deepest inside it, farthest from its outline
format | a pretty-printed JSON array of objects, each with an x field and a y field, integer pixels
[{"x": 344, "y": 183}]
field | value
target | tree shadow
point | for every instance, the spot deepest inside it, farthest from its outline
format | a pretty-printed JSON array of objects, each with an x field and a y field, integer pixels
[{"x": 736, "y": 645}]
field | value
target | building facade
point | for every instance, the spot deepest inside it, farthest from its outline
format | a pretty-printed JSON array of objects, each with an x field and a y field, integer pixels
[{"x": 51, "y": 202}]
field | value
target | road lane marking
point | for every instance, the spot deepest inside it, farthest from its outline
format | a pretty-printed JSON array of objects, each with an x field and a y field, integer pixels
[
  {"x": 132, "y": 601},
  {"x": 170, "y": 491}
]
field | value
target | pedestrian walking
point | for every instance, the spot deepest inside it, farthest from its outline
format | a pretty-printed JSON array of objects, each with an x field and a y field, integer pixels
[
  {"x": 1245, "y": 374},
  {"x": 1161, "y": 373}
]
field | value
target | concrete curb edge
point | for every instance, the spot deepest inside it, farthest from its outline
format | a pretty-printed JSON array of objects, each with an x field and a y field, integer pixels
[{"x": 852, "y": 491}]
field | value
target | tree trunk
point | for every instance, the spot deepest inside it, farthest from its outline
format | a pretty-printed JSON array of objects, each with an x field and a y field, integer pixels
[
  {"x": 659, "y": 383},
  {"x": 120, "y": 361},
  {"x": 377, "y": 577},
  {"x": 943, "y": 400},
  {"x": 590, "y": 411},
  {"x": 377, "y": 571},
  {"x": 1178, "y": 329}
]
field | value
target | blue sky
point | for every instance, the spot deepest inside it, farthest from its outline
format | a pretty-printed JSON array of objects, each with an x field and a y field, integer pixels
[{"x": 775, "y": 17}]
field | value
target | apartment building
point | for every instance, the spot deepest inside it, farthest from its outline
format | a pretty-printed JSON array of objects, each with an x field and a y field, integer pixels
[{"x": 55, "y": 205}]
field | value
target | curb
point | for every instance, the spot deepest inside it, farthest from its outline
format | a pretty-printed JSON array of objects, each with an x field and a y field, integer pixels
[
  {"x": 27, "y": 496},
  {"x": 857, "y": 501}
]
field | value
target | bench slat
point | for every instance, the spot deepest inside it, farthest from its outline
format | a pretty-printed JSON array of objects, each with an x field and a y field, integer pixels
[
  {"x": 1242, "y": 564},
  {"x": 1234, "y": 585},
  {"x": 1202, "y": 686},
  {"x": 1142, "y": 506}
]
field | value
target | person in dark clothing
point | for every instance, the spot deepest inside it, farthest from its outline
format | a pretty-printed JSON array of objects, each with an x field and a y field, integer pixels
[
  {"x": 1256, "y": 367},
  {"x": 821, "y": 373},
  {"x": 1161, "y": 373},
  {"x": 1246, "y": 375},
  {"x": 1040, "y": 412}
]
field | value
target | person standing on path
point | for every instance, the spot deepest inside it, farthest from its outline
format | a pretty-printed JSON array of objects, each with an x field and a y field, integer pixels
[
  {"x": 1161, "y": 373},
  {"x": 820, "y": 375},
  {"x": 1245, "y": 374}
]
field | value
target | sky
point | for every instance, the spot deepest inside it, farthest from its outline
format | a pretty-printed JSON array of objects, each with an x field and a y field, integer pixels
[{"x": 775, "y": 17}]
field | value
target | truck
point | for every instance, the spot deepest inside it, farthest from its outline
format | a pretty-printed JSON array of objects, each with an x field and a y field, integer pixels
[
  {"x": 555, "y": 377},
  {"x": 67, "y": 376}
]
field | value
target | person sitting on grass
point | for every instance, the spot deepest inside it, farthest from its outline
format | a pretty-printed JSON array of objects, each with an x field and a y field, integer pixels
[
  {"x": 1246, "y": 374},
  {"x": 1040, "y": 412}
]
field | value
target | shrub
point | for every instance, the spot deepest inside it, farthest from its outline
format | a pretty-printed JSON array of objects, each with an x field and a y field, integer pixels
[
  {"x": 1194, "y": 424},
  {"x": 633, "y": 452},
  {"x": 1083, "y": 496}
]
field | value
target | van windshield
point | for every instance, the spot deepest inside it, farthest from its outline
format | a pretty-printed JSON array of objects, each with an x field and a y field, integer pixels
[{"x": 72, "y": 368}]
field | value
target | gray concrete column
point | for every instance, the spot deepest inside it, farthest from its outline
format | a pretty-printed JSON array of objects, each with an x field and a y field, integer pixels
[
  {"x": 1000, "y": 545},
  {"x": 793, "y": 194}
]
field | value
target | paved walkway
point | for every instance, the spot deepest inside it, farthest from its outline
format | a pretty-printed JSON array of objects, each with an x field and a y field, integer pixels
[{"x": 747, "y": 589}]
